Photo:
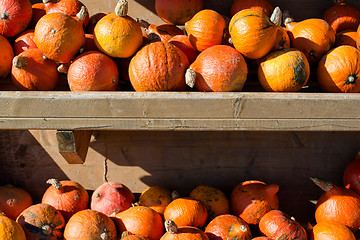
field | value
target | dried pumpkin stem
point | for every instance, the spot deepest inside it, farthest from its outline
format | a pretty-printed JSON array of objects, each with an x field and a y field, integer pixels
[
  {"x": 46, "y": 229},
  {"x": 20, "y": 62},
  {"x": 4, "y": 16},
  {"x": 324, "y": 185},
  {"x": 175, "y": 195},
  {"x": 55, "y": 183},
  {"x": 190, "y": 77},
  {"x": 81, "y": 14},
  {"x": 142, "y": 23},
  {"x": 104, "y": 236},
  {"x": 276, "y": 16},
  {"x": 170, "y": 226},
  {"x": 122, "y": 8}
]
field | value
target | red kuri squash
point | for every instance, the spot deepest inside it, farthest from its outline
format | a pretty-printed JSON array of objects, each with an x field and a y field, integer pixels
[
  {"x": 15, "y": 16},
  {"x": 7, "y": 53},
  {"x": 14, "y": 200}
]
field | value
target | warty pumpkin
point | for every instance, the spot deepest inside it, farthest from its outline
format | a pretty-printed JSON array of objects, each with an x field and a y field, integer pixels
[
  {"x": 15, "y": 16},
  {"x": 14, "y": 200},
  {"x": 351, "y": 176},
  {"x": 331, "y": 231},
  {"x": 173, "y": 232},
  {"x": 261, "y": 5},
  {"x": 10, "y": 230},
  {"x": 156, "y": 198},
  {"x": 7, "y": 54},
  {"x": 24, "y": 41},
  {"x": 347, "y": 37}
]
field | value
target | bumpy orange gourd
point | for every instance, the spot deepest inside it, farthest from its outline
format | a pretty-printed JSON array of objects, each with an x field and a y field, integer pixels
[
  {"x": 347, "y": 37},
  {"x": 205, "y": 29},
  {"x": 351, "y": 176},
  {"x": 14, "y": 200},
  {"x": 339, "y": 70},
  {"x": 15, "y": 16},
  {"x": 24, "y": 41},
  {"x": 183, "y": 43},
  {"x": 117, "y": 34},
  {"x": 7, "y": 55},
  {"x": 251, "y": 200},
  {"x": 261, "y": 5},
  {"x": 331, "y": 231},
  {"x": 10, "y": 230},
  {"x": 173, "y": 232},
  {"x": 156, "y": 198},
  {"x": 220, "y": 68}
]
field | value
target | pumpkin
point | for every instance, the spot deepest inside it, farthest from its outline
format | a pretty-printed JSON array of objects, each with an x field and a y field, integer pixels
[
  {"x": 156, "y": 198},
  {"x": 30, "y": 71},
  {"x": 337, "y": 204},
  {"x": 38, "y": 11},
  {"x": 261, "y": 238},
  {"x": 342, "y": 16},
  {"x": 186, "y": 211},
  {"x": 314, "y": 37},
  {"x": 10, "y": 230},
  {"x": 183, "y": 43},
  {"x": 205, "y": 29},
  {"x": 93, "y": 20},
  {"x": 164, "y": 32},
  {"x": 42, "y": 221},
  {"x": 117, "y": 34},
  {"x": 90, "y": 225},
  {"x": 158, "y": 66},
  {"x": 214, "y": 200},
  {"x": 173, "y": 232},
  {"x": 14, "y": 200},
  {"x": 68, "y": 197},
  {"x": 128, "y": 236},
  {"x": 351, "y": 176},
  {"x": 60, "y": 36},
  {"x": 339, "y": 69},
  {"x": 278, "y": 225},
  {"x": 358, "y": 37},
  {"x": 111, "y": 198},
  {"x": 177, "y": 12},
  {"x": 252, "y": 199},
  {"x": 93, "y": 71},
  {"x": 140, "y": 220},
  {"x": 347, "y": 37},
  {"x": 331, "y": 231},
  {"x": 282, "y": 39},
  {"x": 7, "y": 53},
  {"x": 24, "y": 41},
  {"x": 15, "y": 16},
  {"x": 220, "y": 68},
  {"x": 228, "y": 226},
  {"x": 284, "y": 70},
  {"x": 261, "y": 5}
]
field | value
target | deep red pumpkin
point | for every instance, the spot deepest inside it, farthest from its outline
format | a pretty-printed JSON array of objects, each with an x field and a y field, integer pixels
[
  {"x": 14, "y": 200},
  {"x": 15, "y": 16}
]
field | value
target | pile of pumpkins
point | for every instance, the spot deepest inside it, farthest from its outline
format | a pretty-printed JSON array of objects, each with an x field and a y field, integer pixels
[
  {"x": 113, "y": 212},
  {"x": 212, "y": 54}
]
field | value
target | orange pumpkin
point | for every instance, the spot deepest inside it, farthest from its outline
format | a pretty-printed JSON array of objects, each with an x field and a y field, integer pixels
[
  {"x": 117, "y": 34},
  {"x": 347, "y": 37},
  {"x": 339, "y": 70},
  {"x": 14, "y": 200},
  {"x": 183, "y": 43},
  {"x": 261, "y": 5},
  {"x": 30, "y": 71},
  {"x": 42, "y": 221},
  {"x": 173, "y": 232},
  {"x": 282, "y": 39},
  {"x": 60, "y": 36},
  {"x": 38, "y": 11},
  {"x": 179, "y": 11},
  {"x": 128, "y": 236},
  {"x": 6, "y": 58},
  {"x": 93, "y": 20},
  {"x": 163, "y": 32},
  {"x": 156, "y": 198},
  {"x": 15, "y": 16},
  {"x": 93, "y": 71},
  {"x": 205, "y": 29},
  {"x": 158, "y": 66},
  {"x": 331, "y": 231},
  {"x": 337, "y": 204},
  {"x": 10, "y": 230},
  {"x": 185, "y": 211},
  {"x": 290, "y": 77},
  {"x": 278, "y": 225},
  {"x": 24, "y": 41},
  {"x": 214, "y": 200},
  {"x": 90, "y": 225},
  {"x": 220, "y": 68},
  {"x": 351, "y": 176},
  {"x": 228, "y": 226},
  {"x": 251, "y": 200}
]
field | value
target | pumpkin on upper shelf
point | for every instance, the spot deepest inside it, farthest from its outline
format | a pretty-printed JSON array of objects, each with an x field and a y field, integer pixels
[{"x": 15, "y": 16}]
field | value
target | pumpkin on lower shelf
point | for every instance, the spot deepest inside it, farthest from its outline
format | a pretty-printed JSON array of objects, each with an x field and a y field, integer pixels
[
  {"x": 7, "y": 53},
  {"x": 14, "y": 200},
  {"x": 173, "y": 232},
  {"x": 156, "y": 198},
  {"x": 10, "y": 229},
  {"x": 331, "y": 231},
  {"x": 183, "y": 43}
]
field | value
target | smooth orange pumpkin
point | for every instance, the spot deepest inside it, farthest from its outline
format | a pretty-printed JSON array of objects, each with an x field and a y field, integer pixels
[
  {"x": 15, "y": 16},
  {"x": 346, "y": 38},
  {"x": 156, "y": 198},
  {"x": 331, "y": 231},
  {"x": 14, "y": 200},
  {"x": 90, "y": 225},
  {"x": 93, "y": 71},
  {"x": 38, "y": 11},
  {"x": 179, "y": 11},
  {"x": 183, "y": 43},
  {"x": 117, "y": 34},
  {"x": 30, "y": 71},
  {"x": 7, "y": 54},
  {"x": 261, "y": 5},
  {"x": 10, "y": 230},
  {"x": 164, "y": 32},
  {"x": 252, "y": 199},
  {"x": 284, "y": 70},
  {"x": 220, "y": 68},
  {"x": 24, "y": 41},
  {"x": 205, "y": 29},
  {"x": 228, "y": 226},
  {"x": 173, "y": 232},
  {"x": 351, "y": 176},
  {"x": 339, "y": 70}
]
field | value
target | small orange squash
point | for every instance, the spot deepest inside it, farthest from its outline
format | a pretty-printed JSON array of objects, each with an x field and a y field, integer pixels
[
  {"x": 24, "y": 41},
  {"x": 14, "y": 200},
  {"x": 347, "y": 37},
  {"x": 261, "y": 5},
  {"x": 183, "y": 43},
  {"x": 156, "y": 198},
  {"x": 331, "y": 231},
  {"x": 15, "y": 16},
  {"x": 173, "y": 232},
  {"x": 10, "y": 230},
  {"x": 7, "y": 54}
]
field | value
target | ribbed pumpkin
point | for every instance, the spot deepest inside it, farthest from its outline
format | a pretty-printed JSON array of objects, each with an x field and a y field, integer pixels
[
  {"x": 15, "y": 16},
  {"x": 337, "y": 204},
  {"x": 284, "y": 70},
  {"x": 24, "y": 41},
  {"x": 38, "y": 11},
  {"x": 140, "y": 220},
  {"x": 186, "y": 211},
  {"x": 342, "y": 16},
  {"x": 93, "y": 71},
  {"x": 173, "y": 232},
  {"x": 261, "y": 5},
  {"x": 10, "y": 230},
  {"x": 331, "y": 231},
  {"x": 351, "y": 177},
  {"x": 7, "y": 54},
  {"x": 42, "y": 221},
  {"x": 214, "y": 200},
  {"x": 156, "y": 198},
  {"x": 278, "y": 225},
  {"x": 30, "y": 71},
  {"x": 347, "y": 37},
  {"x": 314, "y": 37},
  {"x": 117, "y": 34},
  {"x": 183, "y": 43},
  {"x": 205, "y": 29},
  {"x": 60, "y": 36},
  {"x": 220, "y": 68},
  {"x": 228, "y": 226},
  {"x": 164, "y": 32},
  {"x": 68, "y": 197},
  {"x": 252, "y": 199},
  {"x": 14, "y": 200},
  {"x": 339, "y": 70},
  {"x": 158, "y": 66},
  {"x": 90, "y": 225}
]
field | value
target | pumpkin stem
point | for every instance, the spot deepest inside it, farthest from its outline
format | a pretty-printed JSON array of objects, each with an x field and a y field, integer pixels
[
  {"x": 46, "y": 229},
  {"x": 324, "y": 185},
  {"x": 81, "y": 14},
  {"x": 135, "y": 204},
  {"x": 20, "y": 62},
  {"x": 313, "y": 201},
  {"x": 142, "y": 23},
  {"x": 121, "y": 9},
  {"x": 63, "y": 68},
  {"x": 351, "y": 79},
  {"x": 276, "y": 16},
  {"x": 47, "y": 1},
  {"x": 170, "y": 226},
  {"x": 125, "y": 234},
  {"x": 175, "y": 195},
  {"x": 153, "y": 37},
  {"x": 55, "y": 183},
  {"x": 104, "y": 236},
  {"x": 4, "y": 16},
  {"x": 190, "y": 77}
]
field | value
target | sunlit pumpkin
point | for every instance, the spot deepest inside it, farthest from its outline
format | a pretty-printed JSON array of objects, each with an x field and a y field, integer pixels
[
  {"x": 331, "y": 231},
  {"x": 15, "y": 16},
  {"x": 10, "y": 230}
]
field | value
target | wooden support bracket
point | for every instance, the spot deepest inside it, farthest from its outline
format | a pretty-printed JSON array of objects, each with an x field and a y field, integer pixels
[{"x": 73, "y": 145}]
